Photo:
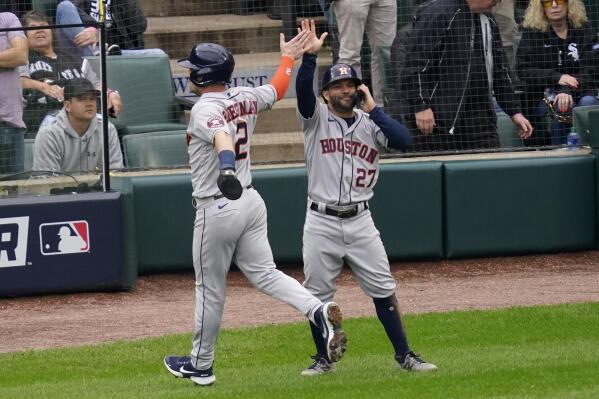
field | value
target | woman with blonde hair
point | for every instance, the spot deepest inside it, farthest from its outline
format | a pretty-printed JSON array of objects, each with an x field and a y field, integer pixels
[{"x": 554, "y": 60}]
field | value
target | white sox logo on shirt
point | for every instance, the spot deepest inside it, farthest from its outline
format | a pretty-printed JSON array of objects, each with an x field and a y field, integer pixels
[
  {"x": 573, "y": 51},
  {"x": 355, "y": 148},
  {"x": 215, "y": 122}
]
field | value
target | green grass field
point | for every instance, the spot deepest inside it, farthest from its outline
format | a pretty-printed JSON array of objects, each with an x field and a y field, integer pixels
[{"x": 537, "y": 352}]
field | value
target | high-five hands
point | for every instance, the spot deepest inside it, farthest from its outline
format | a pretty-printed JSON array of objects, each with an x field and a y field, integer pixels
[{"x": 314, "y": 43}]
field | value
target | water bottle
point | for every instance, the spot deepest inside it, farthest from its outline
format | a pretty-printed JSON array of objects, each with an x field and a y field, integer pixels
[{"x": 573, "y": 140}]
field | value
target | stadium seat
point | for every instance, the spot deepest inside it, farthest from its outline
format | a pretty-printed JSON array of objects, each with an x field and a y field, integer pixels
[
  {"x": 508, "y": 134},
  {"x": 580, "y": 117},
  {"x": 28, "y": 154},
  {"x": 155, "y": 149},
  {"x": 146, "y": 88}
]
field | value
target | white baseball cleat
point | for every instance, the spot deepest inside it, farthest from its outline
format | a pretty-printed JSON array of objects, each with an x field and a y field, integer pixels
[
  {"x": 414, "y": 362},
  {"x": 328, "y": 318}
]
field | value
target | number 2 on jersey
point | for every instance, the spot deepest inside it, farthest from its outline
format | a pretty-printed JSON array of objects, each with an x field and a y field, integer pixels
[
  {"x": 362, "y": 176},
  {"x": 241, "y": 141}
]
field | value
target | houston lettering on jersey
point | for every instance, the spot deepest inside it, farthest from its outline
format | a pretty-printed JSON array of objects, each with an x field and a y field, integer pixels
[
  {"x": 355, "y": 148},
  {"x": 246, "y": 107}
]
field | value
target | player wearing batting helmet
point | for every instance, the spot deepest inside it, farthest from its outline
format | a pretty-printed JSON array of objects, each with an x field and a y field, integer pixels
[{"x": 230, "y": 223}]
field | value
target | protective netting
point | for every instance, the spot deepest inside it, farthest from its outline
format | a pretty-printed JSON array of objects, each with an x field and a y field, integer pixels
[{"x": 464, "y": 76}]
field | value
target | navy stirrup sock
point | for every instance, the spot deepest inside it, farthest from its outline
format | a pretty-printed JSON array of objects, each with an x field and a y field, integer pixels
[
  {"x": 321, "y": 346},
  {"x": 388, "y": 314}
]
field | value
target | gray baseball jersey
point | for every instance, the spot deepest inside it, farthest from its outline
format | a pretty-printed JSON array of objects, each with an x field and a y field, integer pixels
[
  {"x": 234, "y": 111},
  {"x": 342, "y": 163},
  {"x": 342, "y": 160},
  {"x": 226, "y": 230}
]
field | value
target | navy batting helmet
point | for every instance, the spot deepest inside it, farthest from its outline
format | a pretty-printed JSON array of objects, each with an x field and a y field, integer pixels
[
  {"x": 209, "y": 63},
  {"x": 340, "y": 72}
]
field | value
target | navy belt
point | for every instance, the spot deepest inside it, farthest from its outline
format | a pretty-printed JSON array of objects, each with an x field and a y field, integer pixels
[{"x": 342, "y": 214}]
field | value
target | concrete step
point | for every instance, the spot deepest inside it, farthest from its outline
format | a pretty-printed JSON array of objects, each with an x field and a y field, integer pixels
[
  {"x": 242, "y": 34},
  {"x": 277, "y": 147},
  {"x": 169, "y": 8},
  {"x": 281, "y": 118}
]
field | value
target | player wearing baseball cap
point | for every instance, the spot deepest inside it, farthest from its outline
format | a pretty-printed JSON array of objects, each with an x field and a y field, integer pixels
[{"x": 342, "y": 140}]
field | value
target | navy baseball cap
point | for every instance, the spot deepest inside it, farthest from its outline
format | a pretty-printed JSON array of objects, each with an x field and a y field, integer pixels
[{"x": 78, "y": 86}]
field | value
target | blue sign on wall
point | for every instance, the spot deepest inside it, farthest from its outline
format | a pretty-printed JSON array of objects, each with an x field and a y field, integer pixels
[{"x": 61, "y": 243}]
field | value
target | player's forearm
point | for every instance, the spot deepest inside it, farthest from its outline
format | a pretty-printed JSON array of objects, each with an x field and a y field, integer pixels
[
  {"x": 282, "y": 77},
  {"x": 223, "y": 142},
  {"x": 397, "y": 134},
  {"x": 306, "y": 100}
]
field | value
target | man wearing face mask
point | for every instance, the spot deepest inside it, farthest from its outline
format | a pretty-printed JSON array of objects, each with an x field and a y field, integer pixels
[
  {"x": 342, "y": 140},
  {"x": 454, "y": 67}
]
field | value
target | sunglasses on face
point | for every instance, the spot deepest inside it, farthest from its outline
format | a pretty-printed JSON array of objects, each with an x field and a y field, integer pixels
[{"x": 549, "y": 3}]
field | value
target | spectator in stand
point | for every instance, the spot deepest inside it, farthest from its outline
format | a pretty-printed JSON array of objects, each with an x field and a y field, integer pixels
[
  {"x": 125, "y": 25},
  {"x": 72, "y": 143},
  {"x": 44, "y": 77},
  {"x": 455, "y": 65},
  {"x": 379, "y": 19},
  {"x": 13, "y": 53},
  {"x": 555, "y": 61},
  {"x": 327, "y": 9},
  {"x": 17, "y": 7},
  {"x": 506, "y": 22}
]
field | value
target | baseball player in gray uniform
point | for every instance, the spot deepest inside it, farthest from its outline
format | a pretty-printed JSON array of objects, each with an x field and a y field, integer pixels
[
  {"x": 230, "y": 222},
  {"x": 342, "y": 140}
]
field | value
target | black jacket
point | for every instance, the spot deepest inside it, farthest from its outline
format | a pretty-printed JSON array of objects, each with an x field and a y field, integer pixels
[
  {"x": 445, "y": 66},
  {"x": 543, "y": 57},
  {"x": 128, "y": 22}
]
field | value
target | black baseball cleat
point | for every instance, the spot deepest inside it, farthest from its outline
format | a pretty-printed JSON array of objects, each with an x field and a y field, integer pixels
[
  {"x": 328, "y": 319},
  {"x": 181, "y": 367}
]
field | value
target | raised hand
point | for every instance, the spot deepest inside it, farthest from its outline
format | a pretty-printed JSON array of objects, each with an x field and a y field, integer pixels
[
  {"x": 294, "y": 48},
  {"x": 314, "y": 43}
]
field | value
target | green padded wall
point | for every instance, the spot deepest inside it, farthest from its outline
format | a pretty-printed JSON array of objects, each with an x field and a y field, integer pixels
[
  {"x": 285, "y": 193},
  {"x": 163, "y": 217},
  {"x": 129, "y": 228},
  {"x": 407, "y": 209},
  {"x": 506, "y": 207},
  {"x": 594, "y": 128}
]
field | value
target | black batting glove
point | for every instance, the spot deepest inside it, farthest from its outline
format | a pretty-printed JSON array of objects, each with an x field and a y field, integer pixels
[{"x": 229, "y": 185}]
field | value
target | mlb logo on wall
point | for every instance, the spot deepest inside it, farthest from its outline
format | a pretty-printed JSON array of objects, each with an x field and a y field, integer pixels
[
  {"x": 64, "y": 237},
  {"x": 13, "y": 241}
]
